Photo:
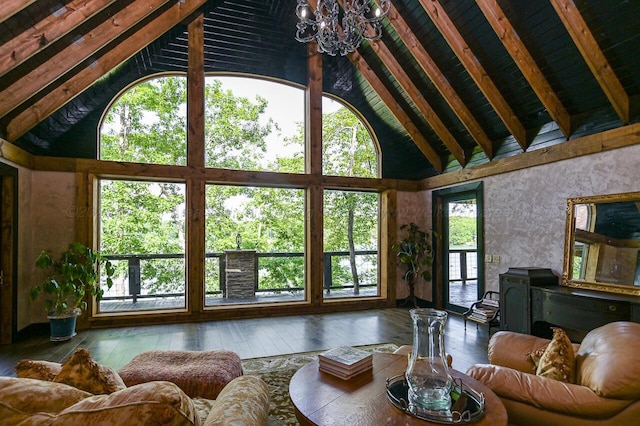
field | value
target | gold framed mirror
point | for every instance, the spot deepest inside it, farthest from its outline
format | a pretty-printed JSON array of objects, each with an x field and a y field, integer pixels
[{"x": 602, "y": 243}]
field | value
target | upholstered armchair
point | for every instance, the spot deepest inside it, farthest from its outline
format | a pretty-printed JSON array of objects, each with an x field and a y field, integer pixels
[{"x": 606, "y": 386}]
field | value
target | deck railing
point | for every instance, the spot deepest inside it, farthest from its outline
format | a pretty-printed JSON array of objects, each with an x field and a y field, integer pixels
[
  {"x": 334, "y": 274},
  {"x": 463, "y": 265}
]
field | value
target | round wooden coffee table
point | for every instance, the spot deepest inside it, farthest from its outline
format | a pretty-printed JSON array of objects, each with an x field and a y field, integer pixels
[{"x": 322, "y": 399}]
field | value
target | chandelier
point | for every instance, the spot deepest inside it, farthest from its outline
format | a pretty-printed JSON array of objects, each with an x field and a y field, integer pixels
[{"x": 358, "y": 23}]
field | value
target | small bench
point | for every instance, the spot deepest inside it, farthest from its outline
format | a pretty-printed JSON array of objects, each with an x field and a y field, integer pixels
[{"x": 200, "y": 374}]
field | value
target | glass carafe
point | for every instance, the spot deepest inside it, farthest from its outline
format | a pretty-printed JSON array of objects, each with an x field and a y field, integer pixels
[{"x": 428, "y": 373}]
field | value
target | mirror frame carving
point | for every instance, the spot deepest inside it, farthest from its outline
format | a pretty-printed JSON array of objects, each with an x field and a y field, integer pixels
[{"x": 569, "y": 244}]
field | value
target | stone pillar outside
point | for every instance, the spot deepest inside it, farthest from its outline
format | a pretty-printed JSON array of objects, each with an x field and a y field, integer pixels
[{"x": 240, "y": 274}]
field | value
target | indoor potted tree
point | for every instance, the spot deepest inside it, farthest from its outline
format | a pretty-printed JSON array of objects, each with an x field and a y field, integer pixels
[
  {"x": 75, "y": 275},
  {"x": 414, "y": 251}
]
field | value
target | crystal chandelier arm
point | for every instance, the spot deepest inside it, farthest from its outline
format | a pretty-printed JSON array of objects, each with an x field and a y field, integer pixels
[
  {"x": 333, "y": 38},
  {"x": 304, "y": 14}
]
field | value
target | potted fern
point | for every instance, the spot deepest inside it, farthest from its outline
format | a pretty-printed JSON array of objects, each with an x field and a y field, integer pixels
[
  {"x": 415, "y": 252},
  {"x": 75, "y": 276}
]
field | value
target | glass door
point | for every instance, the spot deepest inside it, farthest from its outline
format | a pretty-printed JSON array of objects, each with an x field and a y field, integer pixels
[{"x": 460, "y": 272}]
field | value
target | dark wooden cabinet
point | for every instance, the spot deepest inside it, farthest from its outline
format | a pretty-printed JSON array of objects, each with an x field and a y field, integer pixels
[
  {"x": 515, "y": 296},
  {"x": 531, "y": 302},
  {"x": 579, "y": 311}
]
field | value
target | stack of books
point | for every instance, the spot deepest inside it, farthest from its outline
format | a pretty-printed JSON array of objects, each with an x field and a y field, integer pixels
[
  {"x": 482, "y": 314},
  {"x": 345, "y": 362},
  {"x": 491, "y": 302}
]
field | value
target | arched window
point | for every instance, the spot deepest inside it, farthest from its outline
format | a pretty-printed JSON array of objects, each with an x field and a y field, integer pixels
[
  {"x": 253, "y": 139},
  {"x": 148, "y": 124}
]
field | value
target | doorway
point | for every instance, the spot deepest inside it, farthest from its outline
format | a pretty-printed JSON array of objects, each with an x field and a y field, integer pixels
[
  {"x": 457, "y": 219},
  {"x": 8, "y": 249}
]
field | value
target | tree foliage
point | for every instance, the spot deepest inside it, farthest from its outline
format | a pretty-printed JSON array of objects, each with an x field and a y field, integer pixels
[
  {"x": 462, "y": 231},
  {"x": 148, "y": 124}
]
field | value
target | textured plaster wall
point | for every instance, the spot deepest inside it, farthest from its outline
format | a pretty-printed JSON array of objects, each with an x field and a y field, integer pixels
[
  {"x": 47, "y": 211},
  {"x": 525, "y": 211},
  {"x": 416, "y": 208}
]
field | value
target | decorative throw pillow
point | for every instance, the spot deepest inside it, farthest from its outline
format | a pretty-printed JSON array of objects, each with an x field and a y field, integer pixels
[
  {"x": 84, "y": 373},
  {"x": 41, "y": 370},
  {"x": 34, "y": 396},
  {"x": 152, "y": 403},
  {"x": 558, "y": 359}
]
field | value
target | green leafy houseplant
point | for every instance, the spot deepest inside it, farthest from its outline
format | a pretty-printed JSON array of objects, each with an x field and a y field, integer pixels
[
  {"x": 74, "y": 275},
  {"x": 415, "y": 252}
]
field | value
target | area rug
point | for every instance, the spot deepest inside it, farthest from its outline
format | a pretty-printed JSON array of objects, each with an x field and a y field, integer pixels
[{"x": 277, "y": 371}]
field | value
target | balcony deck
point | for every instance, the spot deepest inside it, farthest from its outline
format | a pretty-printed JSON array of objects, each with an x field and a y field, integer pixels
[{"x": 460, "y": 294}]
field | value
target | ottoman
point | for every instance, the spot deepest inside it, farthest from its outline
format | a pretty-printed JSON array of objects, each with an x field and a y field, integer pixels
[{"x": 200, "y": 374}]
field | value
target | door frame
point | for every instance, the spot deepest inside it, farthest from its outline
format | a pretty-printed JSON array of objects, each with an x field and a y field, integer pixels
[
  {"x": 438, "y": 199},
  {"x": 8, "y": 253}
]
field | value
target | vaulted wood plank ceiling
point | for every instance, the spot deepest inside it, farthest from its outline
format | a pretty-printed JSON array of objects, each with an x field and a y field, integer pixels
[{"x": 451, "y": 85}]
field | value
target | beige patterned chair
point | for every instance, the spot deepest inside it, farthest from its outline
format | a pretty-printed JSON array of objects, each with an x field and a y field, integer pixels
[{"x": 83, "y": 392}]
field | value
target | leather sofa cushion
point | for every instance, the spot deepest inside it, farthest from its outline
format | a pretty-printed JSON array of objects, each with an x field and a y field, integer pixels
[
  {"x": 608, "y": 361},
  {"x": 519, "y": 346},
  {"x": 546, "y": 394}
]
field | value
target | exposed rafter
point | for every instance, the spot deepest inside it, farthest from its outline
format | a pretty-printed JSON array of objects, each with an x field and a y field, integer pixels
[
  {"x": 449, "y": 94},
  {"x": 471, "y": 63},
  {"x": 592, "y": 54},
  {"x": 523, "y": 59},
  {"x": 8, "y": 8},
  {"x": 47, "y": 31},
  {"x": 363, "y": 67},
  {"x": 423, "y": 106},
  {"x": 416, "y": 97},
  {"x": 62, "y": 94},
  {"x": 404, "y": 119},
  {"x": 94, "y": 40},
  {"x": 46, "y": 109}
]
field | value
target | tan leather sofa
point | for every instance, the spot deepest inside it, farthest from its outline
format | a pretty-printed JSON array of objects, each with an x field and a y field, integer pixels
[{"x": 607, "y": 383}]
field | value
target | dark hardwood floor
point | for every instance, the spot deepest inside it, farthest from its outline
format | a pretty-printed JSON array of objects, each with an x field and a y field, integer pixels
[{"x": 251, "y": 338}]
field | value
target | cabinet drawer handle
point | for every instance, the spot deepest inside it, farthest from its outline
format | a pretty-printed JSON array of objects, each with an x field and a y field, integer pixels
[{"x": 613, "y": 308}]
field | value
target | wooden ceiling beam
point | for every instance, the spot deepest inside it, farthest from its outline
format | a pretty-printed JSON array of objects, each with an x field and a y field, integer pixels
[
  {"x": 471, "y": 63},
  {"x": 397, "y": 71},
  {"x": 8, "y": 8},
  {"x": 416, "y": 97},
  {"x": 523, "y": 59},
  {"x": 392, "y": 104},
  {"x": 43, "y": 33},
  {"x": 594, "y": 57},
  {"x": 441, "y": 83},
  {"x": 62, "y": 94},
  {"x": 586, "y": 145},
  {"x": 404, "y": 119},
  {"x": 39, "y": 78}
]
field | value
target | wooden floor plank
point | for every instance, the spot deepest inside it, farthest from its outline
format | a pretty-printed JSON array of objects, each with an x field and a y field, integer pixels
[{"x": 252, "y": 338}]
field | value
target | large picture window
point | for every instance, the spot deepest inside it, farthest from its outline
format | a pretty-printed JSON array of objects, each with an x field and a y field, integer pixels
[
  {"x": 263, "y": 229},
  {"x": 253, "y": 193},
  {"x": 142, "y": 229}
]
